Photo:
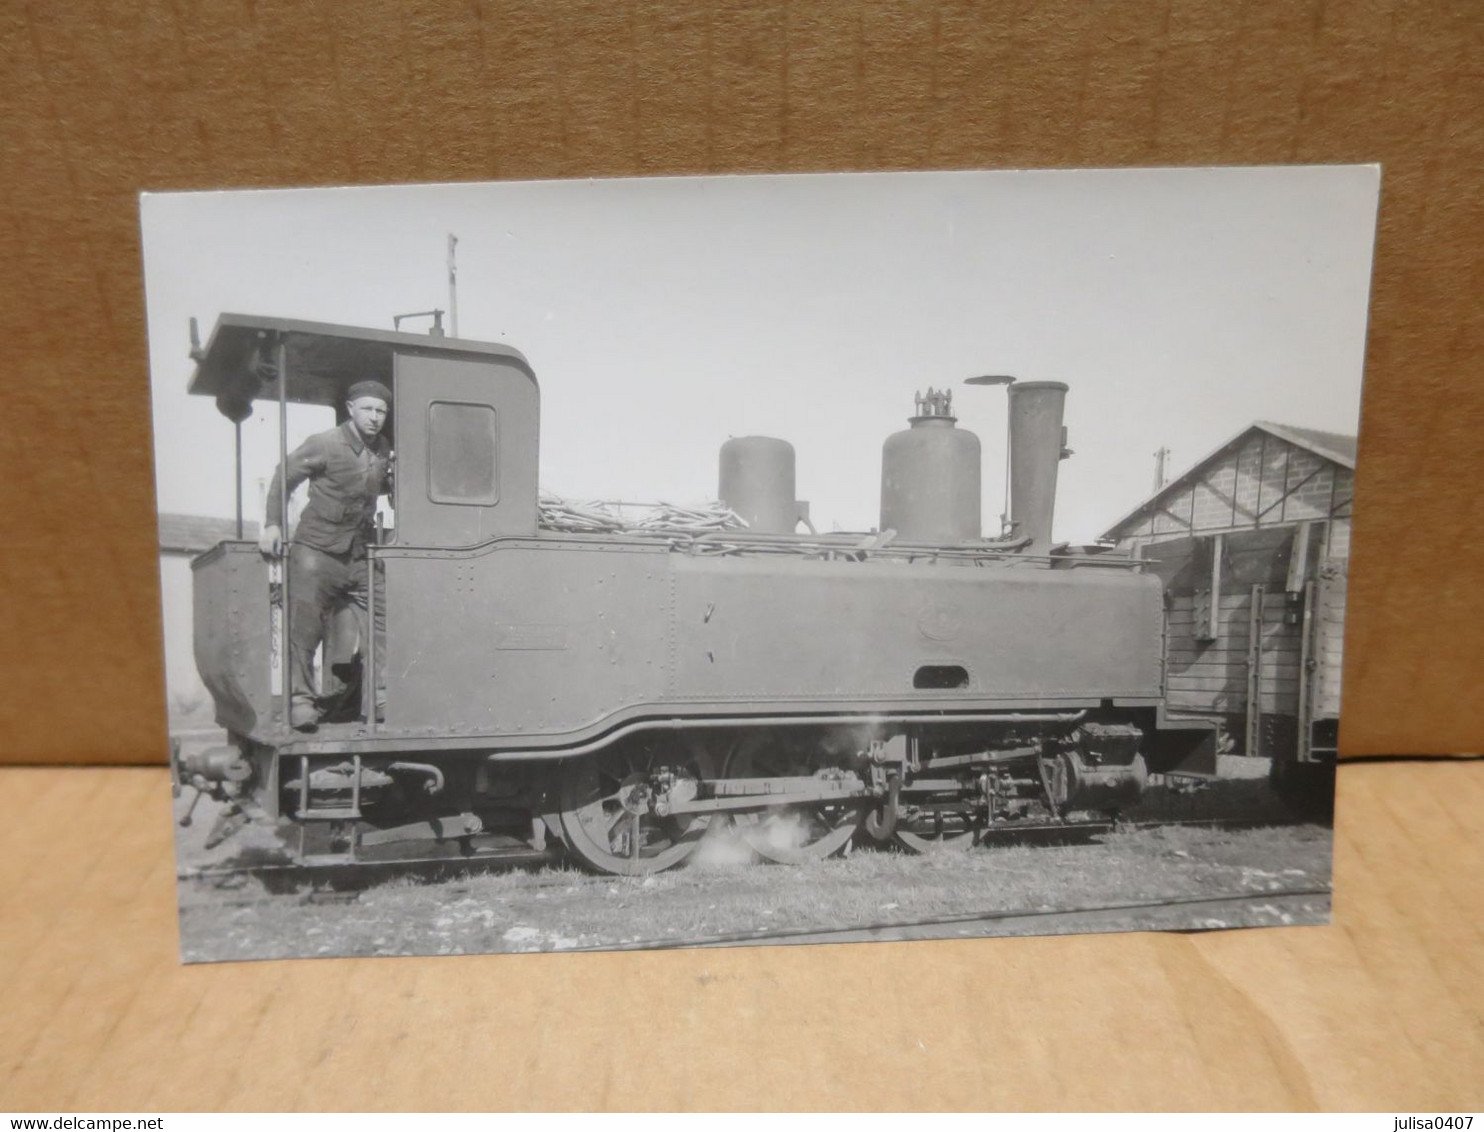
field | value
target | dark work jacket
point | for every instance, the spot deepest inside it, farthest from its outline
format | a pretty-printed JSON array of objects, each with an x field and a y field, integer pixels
[{"x": 345, "y": 476}]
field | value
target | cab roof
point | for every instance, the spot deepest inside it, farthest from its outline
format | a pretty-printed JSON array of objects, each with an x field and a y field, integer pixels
[{"x": 240, "y": 361}]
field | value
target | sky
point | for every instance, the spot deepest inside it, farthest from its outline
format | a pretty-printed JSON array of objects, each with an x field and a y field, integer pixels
[{"x": 664, "y": 315}]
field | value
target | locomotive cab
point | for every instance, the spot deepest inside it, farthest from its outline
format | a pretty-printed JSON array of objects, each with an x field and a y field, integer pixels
[{"x": 464, "y": 428}]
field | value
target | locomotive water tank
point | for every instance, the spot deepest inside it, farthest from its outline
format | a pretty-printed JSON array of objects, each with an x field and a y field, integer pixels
[
  {"x": 930, "y": 476},
  {"x": 757, "y": 482}
]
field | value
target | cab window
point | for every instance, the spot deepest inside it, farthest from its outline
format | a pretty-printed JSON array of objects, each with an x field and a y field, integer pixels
[{"x": 463, "y": 453}]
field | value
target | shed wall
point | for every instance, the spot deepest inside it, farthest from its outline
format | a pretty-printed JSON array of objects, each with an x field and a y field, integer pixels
[
  {"x": 1263, "y": 481},
  {"x": 1212, "y": 676}
]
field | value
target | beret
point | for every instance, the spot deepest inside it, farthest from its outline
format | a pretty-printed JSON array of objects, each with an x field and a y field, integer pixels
[{"x": 369, "y": 389}]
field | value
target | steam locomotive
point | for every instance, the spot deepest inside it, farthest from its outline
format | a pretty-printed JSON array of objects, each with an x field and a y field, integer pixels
[{"x": 636, "y": 692}]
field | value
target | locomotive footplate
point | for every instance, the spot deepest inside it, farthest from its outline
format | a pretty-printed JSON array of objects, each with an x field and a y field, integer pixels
[{"x": 457, "y": 827}]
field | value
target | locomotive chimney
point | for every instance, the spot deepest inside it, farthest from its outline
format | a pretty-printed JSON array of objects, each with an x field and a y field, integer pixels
[{"x": 1036, "y": 448}]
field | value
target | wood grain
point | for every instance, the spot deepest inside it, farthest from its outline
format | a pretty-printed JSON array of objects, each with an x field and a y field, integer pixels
[
  {"x": 105, "y": 100},
  {"x": 1383, "y": 1010}
]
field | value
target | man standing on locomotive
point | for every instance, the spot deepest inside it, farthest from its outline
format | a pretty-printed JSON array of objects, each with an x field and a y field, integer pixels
[{"x": 348, "y": 468}]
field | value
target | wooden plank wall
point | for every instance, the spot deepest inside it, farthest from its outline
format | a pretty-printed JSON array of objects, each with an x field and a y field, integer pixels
[
  {"x": 1329, "y": 650},
  {"x": 1212, "y": 676}
]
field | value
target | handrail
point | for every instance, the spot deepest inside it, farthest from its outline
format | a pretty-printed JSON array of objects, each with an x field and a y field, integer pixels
[{"x": 285, "y": 645}]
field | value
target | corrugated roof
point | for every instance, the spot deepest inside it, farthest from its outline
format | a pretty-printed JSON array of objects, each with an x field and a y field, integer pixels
[
  {"x": 1336, "y": 447},
  {"x": 192, "y": 534}
]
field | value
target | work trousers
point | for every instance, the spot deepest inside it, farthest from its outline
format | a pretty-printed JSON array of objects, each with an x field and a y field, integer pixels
[{"x": 320, "y": 584}]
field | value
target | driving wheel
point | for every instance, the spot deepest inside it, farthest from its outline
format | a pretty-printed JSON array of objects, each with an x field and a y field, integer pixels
[
  {"x": 606, "y": 816},
  {"x": 797, "y": 833}
]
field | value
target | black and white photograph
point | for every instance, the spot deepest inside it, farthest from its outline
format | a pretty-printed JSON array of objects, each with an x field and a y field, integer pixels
[{"x": 707, "y": 561}]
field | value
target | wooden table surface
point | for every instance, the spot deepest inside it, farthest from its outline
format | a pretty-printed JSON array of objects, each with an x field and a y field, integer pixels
[{"x": 1382, "y": 1010}]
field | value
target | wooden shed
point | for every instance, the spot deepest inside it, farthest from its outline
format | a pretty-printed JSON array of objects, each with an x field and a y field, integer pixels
[{"x": 1252, "y": 544}]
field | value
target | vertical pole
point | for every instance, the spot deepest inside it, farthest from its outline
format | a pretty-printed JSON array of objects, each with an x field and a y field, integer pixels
[
  {"x": 1306, "y": 664},
  {"x": 1005, "y": 528},
  {"x": 1236, "y": 481},
  {"x": 355, "y": 807},
  {"x": 1213, "y": 627},
  {"x": 1298, "y": 558},
  {"x": 1164, "y": 638},
  {"x": 453, "y": 288},
  {"x": 1262, "y": 471},
  {"x": 1283, "y": 502},
  {"x": 237, "y": 425},
  {"x": 283, "y": 517},
  {"x": 1254, "y": 674},
  {"x": 368, "y": 692}
]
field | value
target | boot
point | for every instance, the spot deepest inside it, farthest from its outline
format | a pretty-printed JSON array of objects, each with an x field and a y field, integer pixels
[{"x": 304, "y": 716}]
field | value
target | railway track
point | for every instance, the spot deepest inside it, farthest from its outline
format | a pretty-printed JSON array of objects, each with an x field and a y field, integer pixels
[
  {"x": 1207, "y": 913},
  {"x": 1289, "y": 906},
  {"x": 326, "y": 882}
]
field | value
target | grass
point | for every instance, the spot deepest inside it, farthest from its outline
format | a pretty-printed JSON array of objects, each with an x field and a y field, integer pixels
[{"x": 561, "y": 909}]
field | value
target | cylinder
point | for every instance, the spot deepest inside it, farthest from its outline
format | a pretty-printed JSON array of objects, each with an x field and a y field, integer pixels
[
  {"x": 930, "y": 482},
  {"x": 1077, "y": 785},
  {"x": 1036, "y": 409},
  {"x": 757, "y": 482}
]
